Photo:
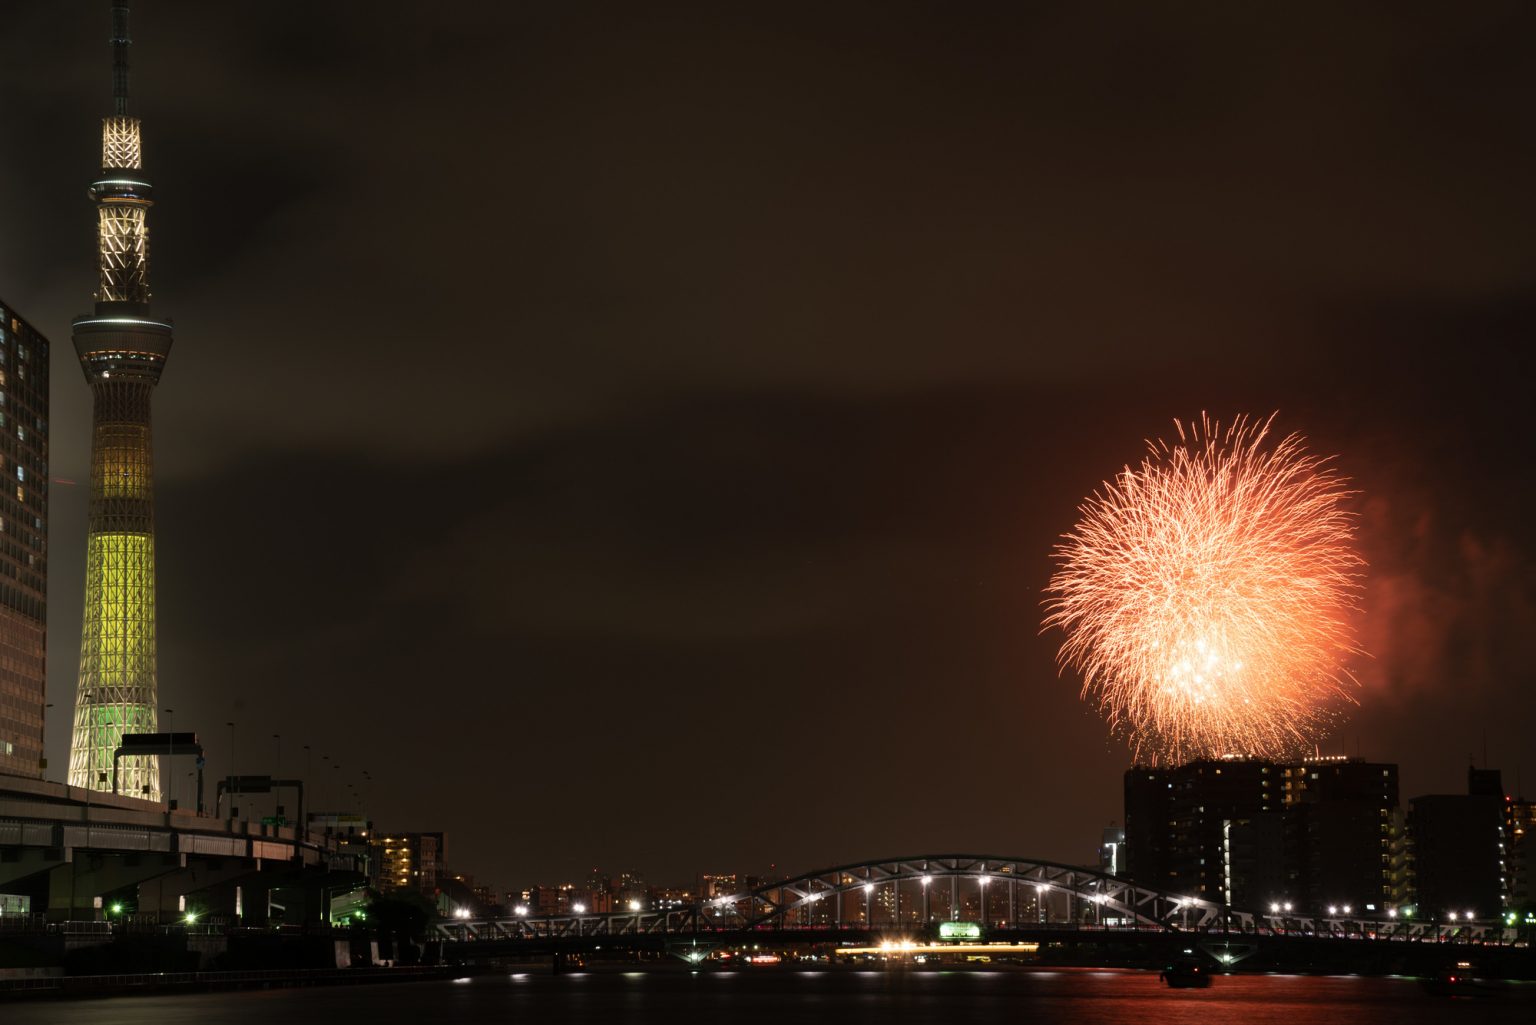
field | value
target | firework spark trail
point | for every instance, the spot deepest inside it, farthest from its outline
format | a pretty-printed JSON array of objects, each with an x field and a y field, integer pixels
[{"x": 1206, "y": 595}]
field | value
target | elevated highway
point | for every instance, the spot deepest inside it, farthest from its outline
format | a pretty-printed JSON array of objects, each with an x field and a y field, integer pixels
[{"x": 73, "y": 852}]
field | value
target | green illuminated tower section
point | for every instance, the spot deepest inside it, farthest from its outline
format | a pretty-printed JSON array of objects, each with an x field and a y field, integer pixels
[{"x": 122, "y": 349}]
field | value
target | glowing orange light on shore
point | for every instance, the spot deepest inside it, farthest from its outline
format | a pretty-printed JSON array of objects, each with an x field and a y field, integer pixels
[{"x": 1206, "y": 595}]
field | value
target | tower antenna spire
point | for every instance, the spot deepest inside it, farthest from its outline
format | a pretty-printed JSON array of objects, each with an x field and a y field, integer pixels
[{"x": 120, "y": 43}]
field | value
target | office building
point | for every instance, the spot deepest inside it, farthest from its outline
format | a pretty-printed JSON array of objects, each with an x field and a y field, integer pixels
[{"x": 23, "y": 544}]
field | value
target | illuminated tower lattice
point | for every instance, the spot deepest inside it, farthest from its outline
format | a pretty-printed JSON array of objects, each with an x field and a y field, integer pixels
[{"x": 122, "y": 349}]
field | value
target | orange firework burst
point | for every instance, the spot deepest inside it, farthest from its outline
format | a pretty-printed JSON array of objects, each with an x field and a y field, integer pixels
[{"x": 1206, "y": 595}]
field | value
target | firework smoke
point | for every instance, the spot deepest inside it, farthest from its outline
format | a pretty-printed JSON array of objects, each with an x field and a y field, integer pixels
[{"x": 1206, "y": 595}]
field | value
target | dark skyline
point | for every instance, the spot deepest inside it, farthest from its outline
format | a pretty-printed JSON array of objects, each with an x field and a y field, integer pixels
[{"x": 637, "y": 438}]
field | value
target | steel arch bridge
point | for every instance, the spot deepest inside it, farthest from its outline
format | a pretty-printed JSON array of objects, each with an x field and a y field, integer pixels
[
  {"x": 1004, "y": 895},
  {"x": 893, "y": 893}
]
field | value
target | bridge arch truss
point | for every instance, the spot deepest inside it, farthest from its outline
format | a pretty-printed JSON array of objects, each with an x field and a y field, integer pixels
[
  {"x": 909, "y": 893},
  {"x": 996, "y": 892}
]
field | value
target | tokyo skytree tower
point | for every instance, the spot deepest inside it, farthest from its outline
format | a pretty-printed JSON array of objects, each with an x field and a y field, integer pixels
[{"x": 122, "y": 349}]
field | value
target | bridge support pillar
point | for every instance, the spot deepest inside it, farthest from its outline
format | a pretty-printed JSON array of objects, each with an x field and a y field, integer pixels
[
  {"x": 205, "y": 886},
  {"x": 28, "y": 861},
  {"x": 74, "y": 886}
]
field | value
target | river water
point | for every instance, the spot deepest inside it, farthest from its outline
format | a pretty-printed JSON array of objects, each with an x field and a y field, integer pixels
[{"x": 1077, "y": 996}]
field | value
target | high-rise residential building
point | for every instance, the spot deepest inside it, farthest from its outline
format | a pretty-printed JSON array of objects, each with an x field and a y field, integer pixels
[
  {"x": 407, "y": 861},
  {"x": 1179, "y": 824},
  {"x": 122, "y": 349},
  {"x": 1456, "y": 854},
  {"x": 23, "y": 544},
  {"x": 1341, "y": 833},
  {"x": 1520, "y": 853},
  {"x": 1490, "y": 783},
  {"x": 1253, "y": 833},
  {"x": 1253, "y": 861},
  {"x": 1206, "y": 795}
]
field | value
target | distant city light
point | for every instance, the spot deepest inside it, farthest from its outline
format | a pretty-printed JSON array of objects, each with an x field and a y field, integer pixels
[
  {"x": 580, "y": 909},
  {"x": 869, "y": 887},
  {"x": 634, "y": 905},
  {"x": 520, "y": 910}
]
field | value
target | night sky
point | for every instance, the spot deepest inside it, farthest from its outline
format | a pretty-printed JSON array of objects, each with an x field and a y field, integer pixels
[{"x": 636, "y": 435}]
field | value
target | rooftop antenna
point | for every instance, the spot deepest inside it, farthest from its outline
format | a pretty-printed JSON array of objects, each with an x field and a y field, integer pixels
[{"x": 120, "y": 44}]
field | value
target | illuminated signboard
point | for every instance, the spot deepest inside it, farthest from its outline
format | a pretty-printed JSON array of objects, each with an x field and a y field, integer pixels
[{"x": 959, "y": 931}]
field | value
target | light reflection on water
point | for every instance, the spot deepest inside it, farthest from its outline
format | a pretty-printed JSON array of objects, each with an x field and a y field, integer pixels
[{"x": 774, "y": 995}]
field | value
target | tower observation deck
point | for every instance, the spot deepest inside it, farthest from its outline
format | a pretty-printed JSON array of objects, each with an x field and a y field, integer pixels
[{"x": 122, "y": 349}]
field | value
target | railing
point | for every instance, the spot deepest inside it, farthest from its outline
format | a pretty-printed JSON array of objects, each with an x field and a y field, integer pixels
[
  {"x": 22, "y": 923},
  {"x": 675, "y": 924}
]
